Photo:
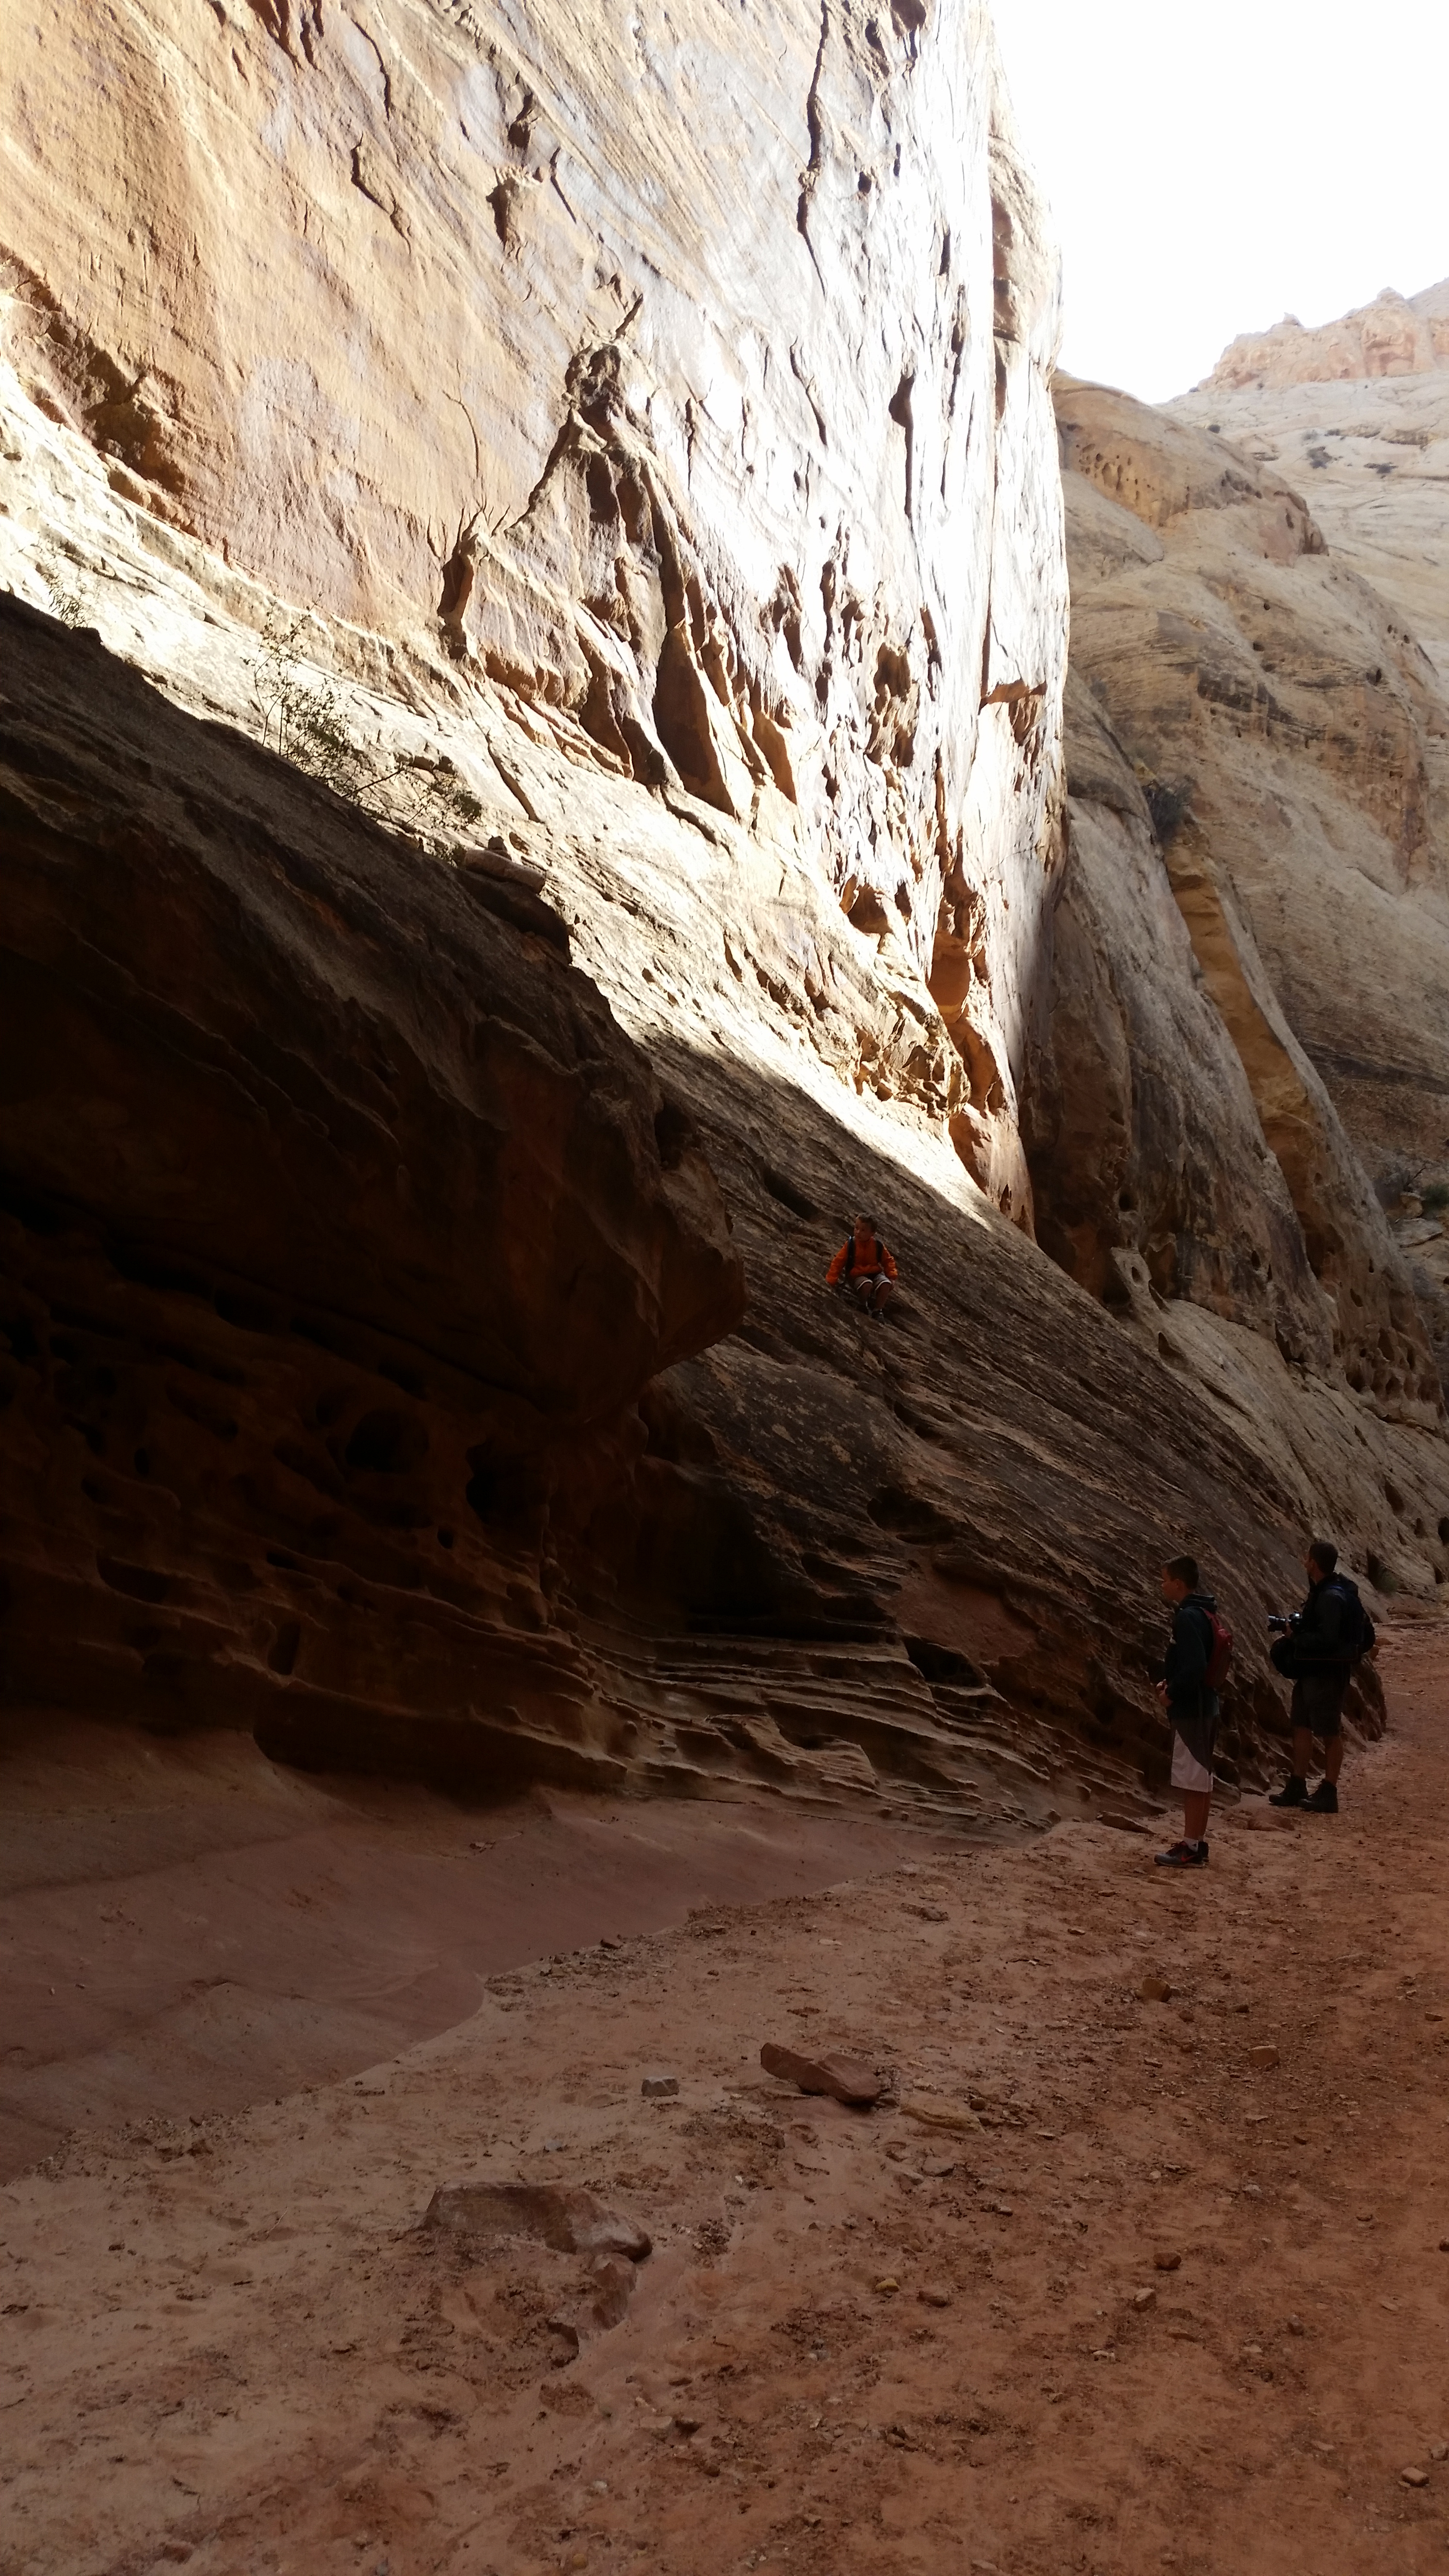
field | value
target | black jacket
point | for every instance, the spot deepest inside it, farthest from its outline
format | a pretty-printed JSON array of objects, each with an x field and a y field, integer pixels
[
  {"x": 1192, "y": 1707},
  {"x": 1326, "y": 1637},
  {"x": 1189, "y": 1648}
]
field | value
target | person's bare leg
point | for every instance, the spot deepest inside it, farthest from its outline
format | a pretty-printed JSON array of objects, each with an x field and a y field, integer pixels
[
  {"x": 1333, "y": 1758},
  {"x": 1302, "y": 1750},
  {"x": 1196, "y": 1804},
  {"x": 883, "y": 1296}
]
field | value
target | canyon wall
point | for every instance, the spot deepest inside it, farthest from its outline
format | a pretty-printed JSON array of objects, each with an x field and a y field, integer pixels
[
  {"x": 690, "y": 391},
  {"x": 1280, "y": 700},
  {"x": 1356, "y": 418},
  {"x": 533, "y": 738}
]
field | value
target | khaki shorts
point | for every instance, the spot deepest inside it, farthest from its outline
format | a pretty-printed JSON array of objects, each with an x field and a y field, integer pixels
[{"x": 1187, "y": 1771}]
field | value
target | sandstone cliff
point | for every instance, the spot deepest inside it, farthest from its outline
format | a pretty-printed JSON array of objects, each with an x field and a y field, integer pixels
[
  {"x": 695, "y": 394},
  {"x": 1395, "y": 336},
  {"x": 626, "y": 479},
  {"x": 1253, "y": 726},
  {"x": 1357, "y": 414},
  {"x": 1356, "y": 417}
]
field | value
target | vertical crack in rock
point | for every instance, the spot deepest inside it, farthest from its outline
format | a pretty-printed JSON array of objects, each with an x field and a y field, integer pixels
[{"x": 815, "y": 129}]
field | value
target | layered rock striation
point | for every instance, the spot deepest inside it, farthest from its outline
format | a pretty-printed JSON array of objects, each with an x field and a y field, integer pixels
[{"x": 342, "y": 1221}]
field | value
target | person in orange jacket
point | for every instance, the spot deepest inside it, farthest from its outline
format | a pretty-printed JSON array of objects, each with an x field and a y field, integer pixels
[{"x": 865, "y": 1265}]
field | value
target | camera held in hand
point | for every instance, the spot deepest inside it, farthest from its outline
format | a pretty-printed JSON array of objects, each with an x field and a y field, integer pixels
[{"x": 1284, "y": 1653}]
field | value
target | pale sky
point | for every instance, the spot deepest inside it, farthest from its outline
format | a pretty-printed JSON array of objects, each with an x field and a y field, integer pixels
[{"x": 1211, "y": 168}]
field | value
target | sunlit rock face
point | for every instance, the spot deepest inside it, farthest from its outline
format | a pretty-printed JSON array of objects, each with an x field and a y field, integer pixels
[
  {"x": 617, "y": 461},
  {"x": 1359, "y": 425},
  {"x": 1395, "y": 336},
  {"x": 689, "y": 374},
  {"x": 1259, "y": 616},
  {"x": 1366, "y": 443}
]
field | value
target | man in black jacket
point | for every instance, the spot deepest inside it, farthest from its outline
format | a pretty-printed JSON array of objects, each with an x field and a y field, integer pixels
[
  {"x": 1192, "y": 1707},
  {"x": 1318, "y": 1655}
]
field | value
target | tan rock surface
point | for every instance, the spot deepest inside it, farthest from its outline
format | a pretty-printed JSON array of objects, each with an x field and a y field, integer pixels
[
  {"x": 1372, "y": 460},
  {"x": 259, "y": 2355},
  {"x": 871, "y": 1570},
  {"x": 1395, "y": 336},
  {"x": 1367, "y": 445},
  {"x": 1356, "y": 416},
  {"x": 1289, "y": 739},
  {"x": 694, "y": 395}
]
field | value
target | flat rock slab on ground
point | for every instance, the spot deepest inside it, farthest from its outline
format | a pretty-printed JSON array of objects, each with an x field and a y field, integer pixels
[{"x": 843, "y": 2079}]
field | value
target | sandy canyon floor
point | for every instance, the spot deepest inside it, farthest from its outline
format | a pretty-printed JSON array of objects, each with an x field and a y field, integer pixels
[{"x": 1179, "y": 2300}]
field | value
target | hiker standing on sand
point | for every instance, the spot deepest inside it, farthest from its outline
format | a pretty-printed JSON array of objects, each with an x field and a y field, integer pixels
[
  {"x": 1197, "y": 1655},
  {"x": 1324, "y": 1641},
  {"x": 864, "y": 1265}
]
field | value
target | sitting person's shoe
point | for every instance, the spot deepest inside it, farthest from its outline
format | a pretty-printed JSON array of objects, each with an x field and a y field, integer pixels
[
  {"x": 1183, "y": 1855},
  {"x": 1324, "y": 1801},
  {"x": 1294, "y": 1793}
]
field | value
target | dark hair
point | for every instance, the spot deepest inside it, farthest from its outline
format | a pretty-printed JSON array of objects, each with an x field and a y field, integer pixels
[
  {"x": 1324, "y": 1554},
  {"x": 1183, "y": 1569}
]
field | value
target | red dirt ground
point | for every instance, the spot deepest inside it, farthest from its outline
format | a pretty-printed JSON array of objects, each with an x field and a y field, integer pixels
[{"x": 231, "y": 2347}]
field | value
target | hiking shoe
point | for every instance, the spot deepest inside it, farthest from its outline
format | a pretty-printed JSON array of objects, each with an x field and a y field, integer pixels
[
  {"x": 1294, "y": 1793},
  {"x": 1183, "y": 1855},
  {"x": 1324, "y": 1801}
]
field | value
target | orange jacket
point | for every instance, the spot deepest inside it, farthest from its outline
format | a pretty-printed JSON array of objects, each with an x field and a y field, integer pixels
[{"x": 865, "y": 1256}]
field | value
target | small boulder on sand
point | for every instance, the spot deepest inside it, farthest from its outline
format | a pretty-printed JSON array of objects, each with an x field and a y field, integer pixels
[
  {"x": 845, "y": 2079},
  {"x": 939, "y": 2115},
  {"x": 570, "y": 2221}
]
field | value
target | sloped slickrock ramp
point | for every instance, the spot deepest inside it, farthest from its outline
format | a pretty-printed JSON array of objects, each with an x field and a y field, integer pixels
[{"x": 188, "y": 1929}]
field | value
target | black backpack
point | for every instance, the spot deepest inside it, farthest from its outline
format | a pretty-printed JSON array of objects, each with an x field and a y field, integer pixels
[
  {"x": 1293, "y": 1656},
  {"x": 1359, "y": 1634},
  {"x": 850, "y": 1256}
]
